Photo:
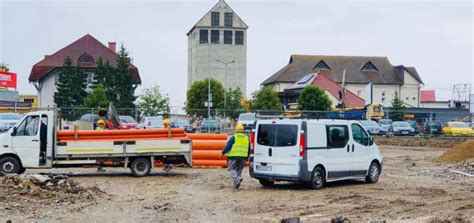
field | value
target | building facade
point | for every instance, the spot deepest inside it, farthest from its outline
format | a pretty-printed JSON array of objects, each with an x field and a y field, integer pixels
[
  {"x": 83, "y": 52},
  {"x": 386, "y": 79},
  {"x": 217, "y": 48}
]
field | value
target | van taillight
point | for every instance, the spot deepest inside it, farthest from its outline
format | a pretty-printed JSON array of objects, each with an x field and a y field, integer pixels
[
  {"x": 252, "y": 142},
  {"x": 302, "y": 144}
]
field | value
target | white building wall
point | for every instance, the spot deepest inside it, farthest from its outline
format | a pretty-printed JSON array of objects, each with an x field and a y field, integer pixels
[
  {"x": 381, "y": 93},
  {"x": 46, "y": 95},
  {"x": 410, "y": 91}
]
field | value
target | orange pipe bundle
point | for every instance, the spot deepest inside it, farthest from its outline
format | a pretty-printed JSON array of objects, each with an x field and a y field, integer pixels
[
  {"x": 207, "y": 136},
  {"x": 219, "y": 163},
  {"x": 117, "y": 137},
  {"x": 208, "y": 155},
  {"x": 124, "y": 132},
  {"x": 209, "y": 144}
]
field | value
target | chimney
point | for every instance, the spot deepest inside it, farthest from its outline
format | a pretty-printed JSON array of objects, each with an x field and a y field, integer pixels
[
  {"x": 112, "y": 46},
  {"x": 46, "y": 56}
]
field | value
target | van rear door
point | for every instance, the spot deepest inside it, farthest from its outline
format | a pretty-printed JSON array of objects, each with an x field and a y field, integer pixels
[
  {"x": 264, "y": 143},
  {"x": 286, "y": 150}
]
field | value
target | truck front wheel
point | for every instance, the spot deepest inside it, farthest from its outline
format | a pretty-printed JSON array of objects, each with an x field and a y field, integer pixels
[
  {"x": 140, "y": 167},
  {"x": 10, "y": 165}
]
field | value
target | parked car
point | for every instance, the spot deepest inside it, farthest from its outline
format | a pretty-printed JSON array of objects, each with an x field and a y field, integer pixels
[
  {"x": 151, "y": 122},
  {"x": 402, "y": 128},
  {"x": 8, "y": 120},
  {"x": 127, "y": 122},
  {"x": 210, "y": 125},
  {"x": 372, "y": 127},
  {"x": 415, "y": 126},
  {"x": 247, "y": 120},
  {"x": 312, "y": 152},
  {"x": 386, "y": 125},
  {"x": 433, "y": 128},
  {"x": 182, "y": 123},
  {"x": 457, "y": 129}
]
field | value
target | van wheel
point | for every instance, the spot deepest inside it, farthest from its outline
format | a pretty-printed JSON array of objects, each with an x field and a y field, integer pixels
[
  {"x": 318, "y": 178},
  {"x": 266, "y": 183},
  {"x": 10, "y": 165},
  {"x": 140, "y": 167},
  {"x": 373, "y": 174}
]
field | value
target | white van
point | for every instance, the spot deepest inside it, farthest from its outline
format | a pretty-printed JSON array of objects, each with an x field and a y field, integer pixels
[{"x": 313, "y": 152}]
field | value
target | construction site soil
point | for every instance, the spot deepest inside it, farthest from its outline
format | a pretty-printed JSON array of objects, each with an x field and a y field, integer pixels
[{"x": 414, "y": 186}]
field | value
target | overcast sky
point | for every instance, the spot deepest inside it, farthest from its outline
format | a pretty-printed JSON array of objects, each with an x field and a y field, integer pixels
[{"x": 434, "y": 37}]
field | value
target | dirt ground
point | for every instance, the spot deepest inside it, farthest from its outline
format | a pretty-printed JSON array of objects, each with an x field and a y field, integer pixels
[{"x": 411, "y": 188}]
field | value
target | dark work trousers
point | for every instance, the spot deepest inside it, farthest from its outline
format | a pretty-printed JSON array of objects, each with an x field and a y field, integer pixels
[{"x": 235, "y": 167}]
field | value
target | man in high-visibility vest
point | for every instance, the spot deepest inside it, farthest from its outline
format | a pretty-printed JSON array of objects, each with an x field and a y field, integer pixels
[{"x": 237, "y": 151}]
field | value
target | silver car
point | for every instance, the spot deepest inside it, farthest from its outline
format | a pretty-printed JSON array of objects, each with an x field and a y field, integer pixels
[
  {"x": 372, "y": 127},
  {"x": 151, "y": 122},
  {"x": 403, "y": 128}
]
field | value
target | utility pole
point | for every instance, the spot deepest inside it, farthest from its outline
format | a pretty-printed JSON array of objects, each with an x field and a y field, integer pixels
[{"x": 225, "y": 84}]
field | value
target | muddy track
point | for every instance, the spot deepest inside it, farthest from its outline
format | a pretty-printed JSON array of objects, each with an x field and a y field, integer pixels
[{"x": 412, "y": 187}]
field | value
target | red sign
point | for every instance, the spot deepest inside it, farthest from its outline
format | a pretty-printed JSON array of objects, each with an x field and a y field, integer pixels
[{"x": 7, "y": 79}]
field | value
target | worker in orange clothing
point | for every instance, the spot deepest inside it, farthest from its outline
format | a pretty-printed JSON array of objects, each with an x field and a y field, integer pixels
[{"x": 167, "y": 125}]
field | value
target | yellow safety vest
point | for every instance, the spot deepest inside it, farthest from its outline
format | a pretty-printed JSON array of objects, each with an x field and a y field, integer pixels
[{"x": 240, "y": 147}]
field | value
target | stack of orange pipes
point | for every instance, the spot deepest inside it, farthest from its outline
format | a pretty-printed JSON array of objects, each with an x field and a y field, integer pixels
[{"x": 207, "y": 149}]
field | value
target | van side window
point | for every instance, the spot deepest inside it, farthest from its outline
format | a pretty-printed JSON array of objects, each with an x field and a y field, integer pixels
[
  {"x": 287, "y": 135},
  {"x": 359, "y": 135},
  {"x": 266, "y": 135},
  {"x": 29, "y": 126},
  {"x": 337, "y": 136}
]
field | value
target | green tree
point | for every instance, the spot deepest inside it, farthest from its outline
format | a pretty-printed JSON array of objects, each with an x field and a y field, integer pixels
[
  {"x": 71, "y": 91},
  {"x": 398, "y": 108},
  {"x": 124, "y": 85},
  {"x": 265, "y": 99},
  {"x": 105, "y": 75},
  {"x": 313, "y": 98},
  {"x": 96, "y": 98},
  {"x": 198, "y": 94},
  {"x": 233, "y": 103},
  {"x": 151, "y": 102}
]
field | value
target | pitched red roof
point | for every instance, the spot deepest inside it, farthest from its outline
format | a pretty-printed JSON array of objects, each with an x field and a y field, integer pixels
[
  {"x": 351, "y": 100},
  {"x": 86, "y": 44},
  {"x": 427, "y": 96}
]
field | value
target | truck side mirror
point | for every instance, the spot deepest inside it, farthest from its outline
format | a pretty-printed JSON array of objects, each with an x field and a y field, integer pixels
[
  {"x": 14, "y": 131},
  {"x": 371, "y": 141}
]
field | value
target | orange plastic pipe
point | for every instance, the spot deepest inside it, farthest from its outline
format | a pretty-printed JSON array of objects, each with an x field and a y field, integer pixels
[
  {"x": 120, "y": 132},
  {"x": 209, "y": 144},
  {"x": 118, "y": 137},
  {"x": 208, "y": 155},
  {"x": 221, "y": 163},
  {"x": 207, "y": 136},
  {"x": 122, "y": 139}
]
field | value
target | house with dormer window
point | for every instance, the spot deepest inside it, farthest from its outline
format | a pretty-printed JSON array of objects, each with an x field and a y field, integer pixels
[
  {"x": 386, "y": 78},
  {"x": 84, "y": 53}
]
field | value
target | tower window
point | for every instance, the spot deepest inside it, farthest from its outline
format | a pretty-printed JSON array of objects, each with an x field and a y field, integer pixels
[
  {"x": 227, "y": 37},
  {"x": 214, "y": 36},
  {"x": 215, "y": 19},
  {"x": 203, "y": 36},
  {"x": 239, "y": 37},
  {"x": 228, "y": 19}
]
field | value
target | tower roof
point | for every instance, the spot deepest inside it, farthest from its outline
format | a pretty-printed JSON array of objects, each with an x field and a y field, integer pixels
[{"x": 220, "y": 6}]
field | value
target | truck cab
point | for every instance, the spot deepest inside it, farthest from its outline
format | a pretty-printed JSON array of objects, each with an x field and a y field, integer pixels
[{"x": 313, "y": 152}]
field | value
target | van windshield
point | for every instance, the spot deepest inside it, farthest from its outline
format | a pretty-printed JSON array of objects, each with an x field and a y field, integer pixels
[{"x": 277, "y": 135}]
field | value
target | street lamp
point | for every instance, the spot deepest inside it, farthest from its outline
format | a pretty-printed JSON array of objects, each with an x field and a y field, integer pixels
[{"x": 225, "y": 83}]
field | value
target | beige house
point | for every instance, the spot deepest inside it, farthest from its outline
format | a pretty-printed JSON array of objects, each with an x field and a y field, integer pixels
[
  {"x": 217, "y": 48},
  {"x": 360, "y": 71}
]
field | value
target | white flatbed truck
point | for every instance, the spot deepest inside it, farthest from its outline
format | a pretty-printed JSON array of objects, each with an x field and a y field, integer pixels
[{"x": 32, "y": 144}]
